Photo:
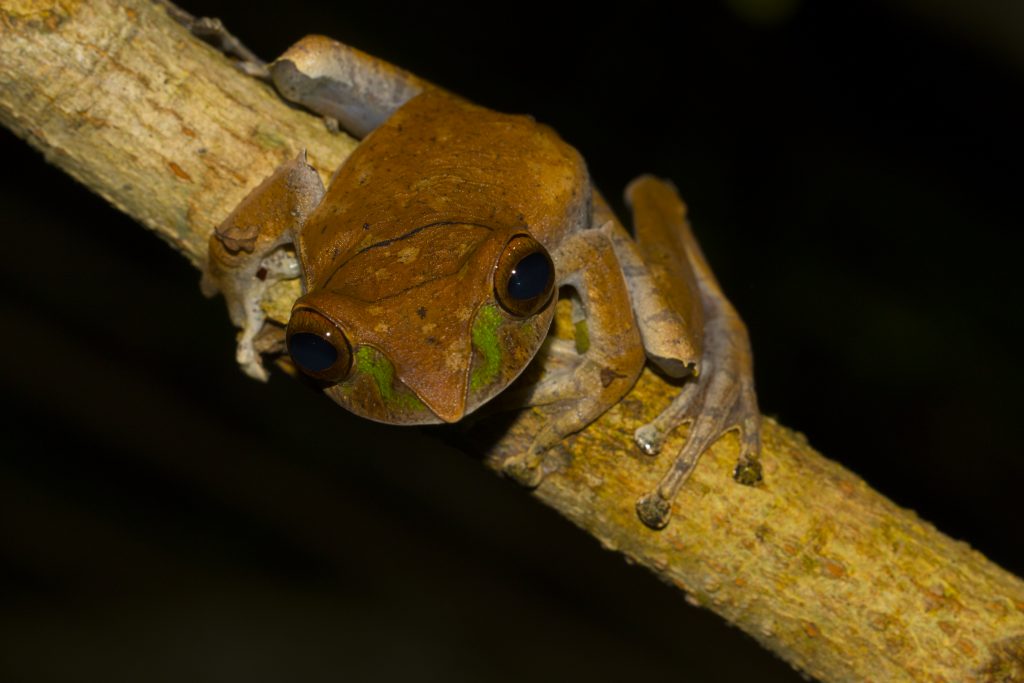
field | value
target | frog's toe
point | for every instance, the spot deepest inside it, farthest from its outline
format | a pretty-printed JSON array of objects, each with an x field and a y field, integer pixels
[
  {"x": 654, "y": 510},
  {"x": 649, "y": 439},
  {"x": 748, "y": 468},
  {"x": 255, "y": 370},
  {"x": 249, "y": 359},
  {"x": 651, "y": 436},
  {"x": 655, "y": 507},
  {"x": 713, "y": 405},
  {"x": 525, "y": 470},
  {"x": 212, "y": 31},
  {"x": 748, "y": 472}
]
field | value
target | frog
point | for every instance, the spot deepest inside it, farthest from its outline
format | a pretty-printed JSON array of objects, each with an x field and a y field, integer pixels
[{"x": 432, "y": 262}]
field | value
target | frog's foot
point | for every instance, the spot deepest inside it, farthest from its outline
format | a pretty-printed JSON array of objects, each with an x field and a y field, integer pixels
[
  {"x": 530, "y": 467},
  {"x": 246, "y": 354},
  {"x": 719, "y": 400},
  {"x": 248, "y": 358},
  {"x": 280, "y": 264},
  {"x": 248, "y": 253},
  {"x": 212, "y": 31},
  {"x": 526, "y": 469}
]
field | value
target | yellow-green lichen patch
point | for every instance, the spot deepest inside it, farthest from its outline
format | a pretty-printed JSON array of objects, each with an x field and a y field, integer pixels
[
  {"x": 485, "y": 339},
  {"x": 40, "y": 16},
  {"x": 269, "y": 140}
]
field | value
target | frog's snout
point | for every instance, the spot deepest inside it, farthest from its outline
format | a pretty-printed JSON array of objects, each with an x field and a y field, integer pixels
[{"x": 447, "y": 412}]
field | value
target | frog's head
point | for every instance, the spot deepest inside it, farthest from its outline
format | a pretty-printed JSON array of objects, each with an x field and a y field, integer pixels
[{"x": 428, "y": 327}]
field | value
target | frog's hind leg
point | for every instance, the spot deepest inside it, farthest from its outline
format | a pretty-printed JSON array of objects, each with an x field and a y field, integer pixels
[
  {"x": 576, "y": 393},
  {"x": 343, "y": 84},
  {"x": 213, "y": 31},
  {"x": 719, "y": 397}
]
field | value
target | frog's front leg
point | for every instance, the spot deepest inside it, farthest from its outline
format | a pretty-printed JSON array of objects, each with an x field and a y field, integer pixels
[
  {"x": 246, "y": 254},
  {"x": 720, "y": 397},
  {"x": 571, "y": 398}
]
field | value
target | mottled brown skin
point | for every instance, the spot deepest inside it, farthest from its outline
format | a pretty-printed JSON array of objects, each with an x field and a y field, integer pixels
[
  {"x": 440, "y": 159},
  {"x": 403, "y": 257},
  {"x": 402, "y": 250}
]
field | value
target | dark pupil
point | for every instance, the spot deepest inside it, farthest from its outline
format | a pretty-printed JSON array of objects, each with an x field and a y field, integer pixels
[
  {"x": 530, "y": 277},
  {"x": 311, "y": 351}
]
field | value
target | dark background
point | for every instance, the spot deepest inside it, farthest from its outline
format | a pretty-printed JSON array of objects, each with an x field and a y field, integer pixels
[{"x": 853, "y": 171}]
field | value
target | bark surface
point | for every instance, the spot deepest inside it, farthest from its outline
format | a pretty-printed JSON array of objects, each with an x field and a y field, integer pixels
[{"x": 818, "y": 567}]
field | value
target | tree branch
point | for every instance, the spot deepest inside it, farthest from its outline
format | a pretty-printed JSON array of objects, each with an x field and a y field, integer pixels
[{"x": 815, "y": 565}]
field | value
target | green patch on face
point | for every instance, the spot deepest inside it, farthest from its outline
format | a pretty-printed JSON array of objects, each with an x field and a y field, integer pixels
[
  {"x": 373, "y": 363},
  {"x": 485, "y": 338}
]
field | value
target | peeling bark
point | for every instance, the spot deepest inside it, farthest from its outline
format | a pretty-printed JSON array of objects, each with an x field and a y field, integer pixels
[{"x": 815, "y": 565}]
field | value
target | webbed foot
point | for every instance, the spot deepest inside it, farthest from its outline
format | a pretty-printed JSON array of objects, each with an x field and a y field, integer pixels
[
  {"x": 544, "y": 455},
  {"x": 687, "y": 323},
  {"x": 719, "y": 400}
]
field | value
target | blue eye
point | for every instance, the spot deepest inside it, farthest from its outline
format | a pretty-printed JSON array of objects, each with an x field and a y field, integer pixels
[
  {"x": 311, "y": 352},
  {"x": 530, "y": 278}
]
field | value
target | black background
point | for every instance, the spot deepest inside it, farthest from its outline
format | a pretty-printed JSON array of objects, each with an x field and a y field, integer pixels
[{"x": 853, "y": 172}]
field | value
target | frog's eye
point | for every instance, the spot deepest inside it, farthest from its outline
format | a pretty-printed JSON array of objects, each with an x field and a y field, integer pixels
[
  {"x": 318, "y": 347},
  {"x": 524, "y": 277}
]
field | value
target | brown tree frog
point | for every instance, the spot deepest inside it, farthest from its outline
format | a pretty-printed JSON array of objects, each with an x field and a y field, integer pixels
[{"x": 431, "y": 264}]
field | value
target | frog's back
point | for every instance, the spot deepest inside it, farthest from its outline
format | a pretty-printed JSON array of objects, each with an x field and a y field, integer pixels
[{"x": 442, "y": 161}]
